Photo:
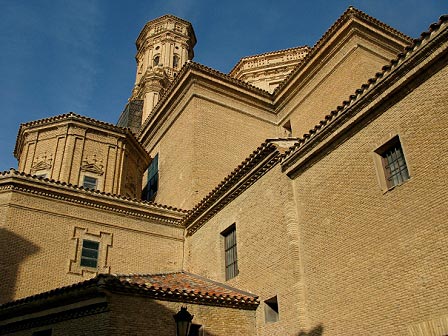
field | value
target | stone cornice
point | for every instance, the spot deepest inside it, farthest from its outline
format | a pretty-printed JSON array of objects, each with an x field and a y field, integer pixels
[
  {"x": 192, "y": 74},
  {"x": 141, "y": 37},
  {"x": 393, "y": 83},
  {"x": 12, "y": 180},
  {"x": 84, "y": 122},
  {"x": 242, "y": 61}
]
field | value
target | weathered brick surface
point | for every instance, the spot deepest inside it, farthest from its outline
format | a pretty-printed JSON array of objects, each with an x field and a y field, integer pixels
[
  {"x": 133, "y": 315},
  {"x": 376, "y": 262},
  {"x": 267, "y": 246},
  {"x": 38, "y": 234}
]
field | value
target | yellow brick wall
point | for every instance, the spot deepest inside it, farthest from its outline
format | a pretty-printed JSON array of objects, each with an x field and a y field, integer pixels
[
  {"x": 38, "y": 238},
  {"x": 267, "y": 247},
  {"x": 376, "y": 263},
  {"x": 336, "y": 78},
  {"x": 132, "y": 315},
  {"x": 207, "y": 140}
]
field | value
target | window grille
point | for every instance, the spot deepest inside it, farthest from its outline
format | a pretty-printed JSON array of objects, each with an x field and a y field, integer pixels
[
  {"x": 89, "y": 253},
  {"x": 89, "y": 182},
  {"x": 396, "y": 170},
  {"x": 230, "y": 251}
]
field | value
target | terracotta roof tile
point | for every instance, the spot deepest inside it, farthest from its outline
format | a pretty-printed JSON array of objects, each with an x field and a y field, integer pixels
[
  {"x": 373, "y": 82},
  {"x": 177, "y": 286}
]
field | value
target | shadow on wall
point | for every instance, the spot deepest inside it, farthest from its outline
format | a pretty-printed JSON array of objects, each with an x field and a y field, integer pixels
[
  {"x": 317, "y": 331},
  {"x": 13, "y": 251}
]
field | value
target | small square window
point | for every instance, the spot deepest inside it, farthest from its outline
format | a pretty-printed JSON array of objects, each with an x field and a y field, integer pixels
[
  {"x": 230, "y": 252},
  {"x": 394, "y": 169},
  {"x": 271, "y": 310},
  {"x": 89, "y": 253},
  {"x": 89, "y": 182}
]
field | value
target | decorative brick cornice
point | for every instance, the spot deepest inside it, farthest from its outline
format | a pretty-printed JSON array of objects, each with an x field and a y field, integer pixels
[
  {"x": 263, "y": 159},
  {"x": 14, "y": 180},
  {"x": 76, "y": 118},
  {"x": 405, "y": 63}
]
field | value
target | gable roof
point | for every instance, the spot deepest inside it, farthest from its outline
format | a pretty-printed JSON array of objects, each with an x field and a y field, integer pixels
[
  {"x": 419, "y": 52},
  {"x": 176, "y": 286},
  {"x": 350, "y": 14}
]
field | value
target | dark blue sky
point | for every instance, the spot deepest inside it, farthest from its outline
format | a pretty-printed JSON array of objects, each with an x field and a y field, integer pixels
[{"x": 60, "y": 55}]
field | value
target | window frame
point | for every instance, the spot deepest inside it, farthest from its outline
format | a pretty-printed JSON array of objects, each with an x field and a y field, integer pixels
[
  {"x": 382, "y": 163},
  {"x": 230, "y": 249},
  {"x": 86, "y": 185},
  {"x": 86, "y": 250}
]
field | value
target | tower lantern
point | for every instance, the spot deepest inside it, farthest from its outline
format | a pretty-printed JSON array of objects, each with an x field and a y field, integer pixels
[{"x": 163, "y": 47}]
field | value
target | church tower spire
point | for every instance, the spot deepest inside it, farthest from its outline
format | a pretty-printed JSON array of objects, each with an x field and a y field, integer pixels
[{"x": 163, "y": 47}]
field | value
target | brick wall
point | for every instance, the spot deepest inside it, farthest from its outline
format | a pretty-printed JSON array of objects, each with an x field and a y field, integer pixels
[
  {"x": 376, "y": 262},
  {"x": 267, "y": 247},
  {"x": 38, "y": 243},
  {"x": 132, "y": 315}
]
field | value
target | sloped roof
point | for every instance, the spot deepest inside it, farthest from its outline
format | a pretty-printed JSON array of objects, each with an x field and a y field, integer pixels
[
  {"x": 350, "y": 13},
  {"x": 184, "y": 284},
  {"x": 176, "y": 286},
  {"x": 381, "y": 81},
  {"x": 79, "y": 118}
]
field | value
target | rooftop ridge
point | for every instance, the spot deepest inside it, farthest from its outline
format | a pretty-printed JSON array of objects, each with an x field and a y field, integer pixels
[
  {"x": 359, "y": 93},
  {"x": 197, "y": 66},
  {"x": 350, "y": 12}
]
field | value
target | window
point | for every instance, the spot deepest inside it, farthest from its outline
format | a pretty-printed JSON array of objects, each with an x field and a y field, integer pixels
[
  {"x": 89, "y": 182},
  {"x": 175, "y": 61},
  {"x": 156, "y": 60},
  {"x": 89, "y": 253},
  {"x": 153, "y": 180},
  {"x": 394, "y": 169},
  {"x": 271, "y": 310},
  {"x": 231, "y": 259},
  {"x": 287, "y": 130}
]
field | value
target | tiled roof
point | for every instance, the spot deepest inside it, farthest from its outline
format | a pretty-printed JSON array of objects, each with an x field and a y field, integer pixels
[
  {"x": 188, "y": 285},
  {"x": 241, "y": 178},
  {"x": 373, "y": 83},
  {"x": 71, "y": 187},
  {"x": 75, "y": 117},
  {"x": 349, "y": 13},
  {"x": 178, "y": 286},
  {"x": 204, "y": 69}
]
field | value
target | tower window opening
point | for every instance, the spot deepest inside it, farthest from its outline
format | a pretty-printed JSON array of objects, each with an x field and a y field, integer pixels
[
  {"x": 287, "y": 130},
  {"x": 175, "y": 61},
  {"x": 156, "y": 60}
]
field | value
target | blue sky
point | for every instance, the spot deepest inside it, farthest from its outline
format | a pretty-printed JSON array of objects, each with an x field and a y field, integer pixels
[{"x": 59, "y": 55}]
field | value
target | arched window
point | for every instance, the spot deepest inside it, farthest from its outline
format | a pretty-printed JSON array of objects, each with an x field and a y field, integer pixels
[
  {"x": 156, "y": 60},
  {"x": 176, "y": 60}
]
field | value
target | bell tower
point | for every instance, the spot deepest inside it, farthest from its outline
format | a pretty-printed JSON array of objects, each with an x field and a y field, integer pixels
[{"x": 163, "y": 47}]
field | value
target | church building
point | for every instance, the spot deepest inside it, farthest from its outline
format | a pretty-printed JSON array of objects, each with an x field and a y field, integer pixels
[{"x": 303, "y": 193}]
